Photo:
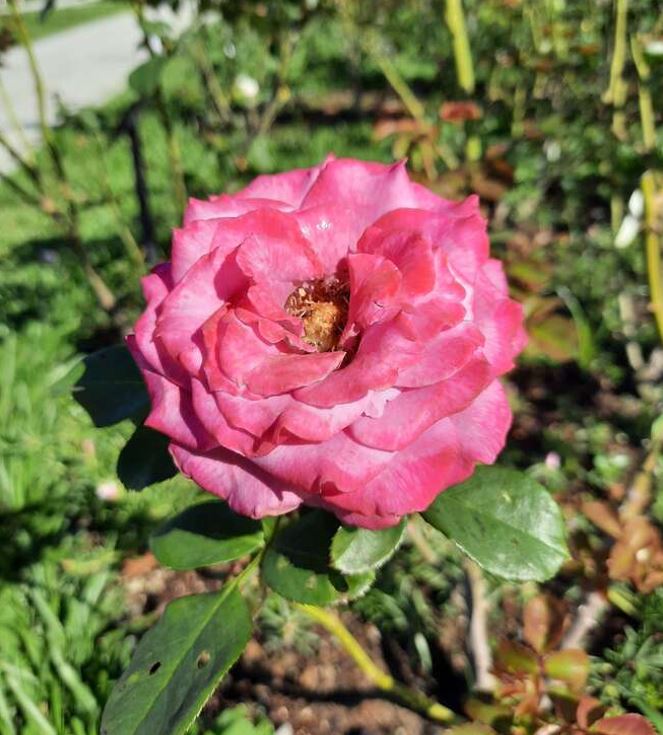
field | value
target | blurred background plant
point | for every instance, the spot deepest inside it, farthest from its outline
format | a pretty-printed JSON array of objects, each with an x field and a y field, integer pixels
[{"x": 550, "y": 110}]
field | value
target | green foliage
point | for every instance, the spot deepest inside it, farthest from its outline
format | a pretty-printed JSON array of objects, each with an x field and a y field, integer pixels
[
  {"x": 205, "y": 534},
  {"x": 177, "y": 665},
  {"x": 111, "y": 387},
  {"x": 631, "y": 672},
  {"x": 357, "y": 550},
  {"x": 297, "y": 563},
  {"x": 144, "y": 460},
  {"x": 505, "y": 521},
  {"x": 412, "y": 595},
  {"x": 235, "y": 721}
]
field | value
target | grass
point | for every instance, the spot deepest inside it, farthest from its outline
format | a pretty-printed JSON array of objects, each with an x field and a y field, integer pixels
[{"x": 62, "y": 19}]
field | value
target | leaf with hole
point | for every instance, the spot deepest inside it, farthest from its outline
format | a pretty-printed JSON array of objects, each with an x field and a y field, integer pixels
[
  {"x": 145, "y": 460},
  {"x": 505, "y": 521},
  {"x": 357, "y": 550},
  {"x": 178, "y": 664},
  {"x": 296, "y": 564},
  {"x": 111, "y": 387},
  {"x": 205, "y": 534}
]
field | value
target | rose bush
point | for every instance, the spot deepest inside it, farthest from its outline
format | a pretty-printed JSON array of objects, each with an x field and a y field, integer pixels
[{"x": 329, "y": 336}]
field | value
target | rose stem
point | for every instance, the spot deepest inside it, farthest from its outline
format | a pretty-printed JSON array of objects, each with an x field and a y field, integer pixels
[
  {"x": 653, "y": 249},
  {"x": 409, "y": 697}
]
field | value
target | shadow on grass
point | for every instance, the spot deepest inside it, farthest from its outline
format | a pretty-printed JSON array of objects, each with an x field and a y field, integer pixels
[{"x": 28, "y": 534}]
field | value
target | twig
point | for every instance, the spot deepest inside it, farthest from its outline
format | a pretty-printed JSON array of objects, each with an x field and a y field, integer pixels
[
  {"x": 129, "y": 125},
  {"x": 216, "y": 94},
  {"x": 29, "y": 169},
  {"x": 129, "y": 241},
  {"x": 409, "y": 697},
  {"x": 589, "y": 615},
  {"x": 479, "y": 644},
  {"x": 172, "y": 144},
  {"x": 24, "y": 194},
  {"x": 393, "y": 76},
  {"x": 13, "y": 119},
  {"x": 418, "y": 540},
  {"x": 104, "y": 295},
  {"x": 629, "y": 323}
]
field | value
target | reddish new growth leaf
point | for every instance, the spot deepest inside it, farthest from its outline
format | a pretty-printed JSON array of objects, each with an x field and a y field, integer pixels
[
  {"x": 637, "y": 555},
  {"x": 461, "y": 111},
  {"x": 543, "y": 622}
]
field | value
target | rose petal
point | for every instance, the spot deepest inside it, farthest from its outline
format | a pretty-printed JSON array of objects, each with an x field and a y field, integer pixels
[
  {"x": 247, "y": 489},
  {"x": 203, "y": 290},
  {"x": 416, "y": 410},
  {"x": 410, "y": 481},
  {"x": 173, "y": 413},
  {"x": 442, "y": 356},
  {"x": 290, "y": 187},
  {"x": 338, "y": 463}
]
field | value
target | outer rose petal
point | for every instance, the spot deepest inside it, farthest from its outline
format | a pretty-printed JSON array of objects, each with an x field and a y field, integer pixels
[
  {"x": 370, "y": 189},
  {"x": 416, "y": 410},
  {"x": 482, "y": 427},
  {"x": 247, "y": 489},
  {"x": 338, "y": 463},
  {"x": 156, "y": 286},
  {"x": 173, "y": 413},
  {"x": 228, "y": 205},
  {"x": 443, "y": 456},
  {"x": 290, "y": 187},
  {"x": 281, "y": 416},
  {"x": 409, "y": 482}
]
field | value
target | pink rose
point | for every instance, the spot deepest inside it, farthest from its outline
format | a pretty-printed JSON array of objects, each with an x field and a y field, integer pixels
[{"x": 330, "y": 336}]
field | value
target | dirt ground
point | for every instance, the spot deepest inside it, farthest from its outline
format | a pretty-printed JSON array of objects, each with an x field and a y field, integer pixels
[{"x": 321, "y": 694}]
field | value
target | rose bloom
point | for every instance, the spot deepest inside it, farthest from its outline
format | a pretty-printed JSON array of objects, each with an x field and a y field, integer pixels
[{"x": 330, "y": 336}]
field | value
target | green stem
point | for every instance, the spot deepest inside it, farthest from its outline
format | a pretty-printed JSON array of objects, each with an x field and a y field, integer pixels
[
  {"x": 214, "y": 90},
  {"x": 455, "y": 18},
  {"x": 174, "y": 151},
  {"x": 130, "y": 245},
  {"x": 370, "y": 44},
  {"x": 653, "y": 249},
  {"x": 393, "y": 76},
  {"x": 644, "y": 96},
  {"x": 172, "y": 145},
  {"x": 13, "y": 119},
  {"x": 104, "y": 295},
  {"x": 410, "y": 698},
  {"x": 616, "y": 92},
  {"x": 31, "y": 171},
  {"x": 282, "y": 93}
]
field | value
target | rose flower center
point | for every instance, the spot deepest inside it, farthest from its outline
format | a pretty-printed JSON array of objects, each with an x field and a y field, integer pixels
[{"x": 322, "y": 305}]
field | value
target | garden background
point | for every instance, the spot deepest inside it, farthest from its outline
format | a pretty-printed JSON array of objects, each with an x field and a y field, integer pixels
[{"x": 551, "y": 111}]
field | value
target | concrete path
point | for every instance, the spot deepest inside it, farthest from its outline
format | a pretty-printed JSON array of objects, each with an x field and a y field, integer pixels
[{"x": 83, "y": 66}]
